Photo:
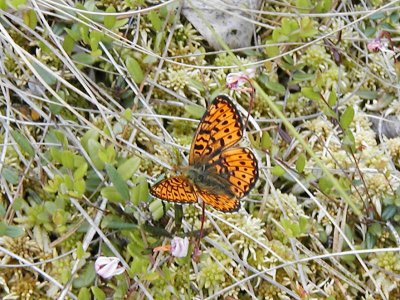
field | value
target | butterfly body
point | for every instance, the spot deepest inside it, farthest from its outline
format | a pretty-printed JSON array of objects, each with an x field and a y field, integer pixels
[
  {"x": 204, "y": 178},
  {"x": 219, "y": 173}
]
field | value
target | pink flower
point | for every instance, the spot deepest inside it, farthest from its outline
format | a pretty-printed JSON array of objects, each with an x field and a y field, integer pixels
[
  {"x": 108, "y": 267},
  {"x": 179, "y": 246},
  {"x": 375, "y": 45},
  {"x": 236, "y": 81}
]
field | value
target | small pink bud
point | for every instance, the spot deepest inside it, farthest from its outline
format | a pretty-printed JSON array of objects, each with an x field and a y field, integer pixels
[
  {"x": 108, "y": 267},
  {"x": 236, "y": 81},
  {"x": 375, "y": 45}
]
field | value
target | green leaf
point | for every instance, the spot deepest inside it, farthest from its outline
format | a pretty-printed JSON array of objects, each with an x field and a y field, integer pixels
[
  {"x": 271, "y": 51},
  {"x": 301, "y": 163},
  {"x": 57, "y": 136},
  {"x": 303, "y": 6},
  {"x": 116, "y": 223},
  {"x": 30, "y": 18},
  {"x": 49, "y": 78},
  {"x": 2, "y": 211},
  {"x": 322, "y": 236},
  {"x": 159, "y": 42},
  {"x": 14, "y": 231},
  {"x": 140, "y": 192},
  {"x": 198, "y": 85},
  {"x": 308, "y": 27},
  {"x": 67, "y": 159},
  {"x": 325, "y": 184},
  {"x": 366, "y": 94},
  {"x": 79, "y": 188},
  {"x": 370, "y": 31},
  {"x": 310, "y": 94},
  {"x": 98, "y": 293},
  {"x": 86, "y": 277},
  {"x": 16, "y": 3},
  {"x": 292, "y": 229},
  {"x": 80, "y": 172},
  {"x": 301, "y": 76},
  {"x": 84, "y": 294},
  {"x": 19, "y": 203},
  {"x": 80, "y": 252},
  {"x": 118, "y": 182},
  {"x": 134, "y": 69},
  {"x": 349, "y": 142},
  {"x": 118, "y": 24},
  {"x": 347, "y": 117},
  {"x": 195, "y": 111},
  {"x": 84, "y": 33},
  {"x": 95, "y": 37},
  {"x": 10, "y": 230},
  {"x": 23, "y": 142},
  {"x": 56, "y": 155},
  {"x": 91, "y": 134},
  {"x": 84, "y": 58},
  {"x": 348, "y": 231},
  {"x": 10, "y": 175},
  {"x": 110, "y": 20},
  {"x": 370, "y": 241},
  {"x": 150, "y": 59},
  {"x": 389, "y": 212},
  {"x": 277, "y": 171},
  {"x": 50, "y": 207},
  {"x": 375, "y": 229},
  {"x": 107, "y": 155},
  {"x": 68, "y": 44},
  {"x": 129, "y": 167},
  {"x": 74, "y": 32},
  {"x": 151, "y": 276},
  {"x": 140, "y": 263},
  {"x": 157, "y": 210},
  {"x": 111, "y": 193},
  {"x": 323, "y": 7},
  {"x": 377, "y": 16},
  {"x": 329, "y": 112},
  {"x": 93, "y": 150},
  {"x": 394, "y": 17},
  {"x": 3, "y": 5},
  {"x": 348, "y": 258},
  {"x": 155, "y": 20},
  {"x": 127, "y": 114},
  {"x": 303, "y": 224},
  {"x": 266, "y": 142},
  {"x": 275, "y": 86},
  {"x": 332, "y": 99}
]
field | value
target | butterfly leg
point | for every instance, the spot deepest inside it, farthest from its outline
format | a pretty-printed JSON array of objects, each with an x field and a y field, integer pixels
[{"x": 196, "y": 252}]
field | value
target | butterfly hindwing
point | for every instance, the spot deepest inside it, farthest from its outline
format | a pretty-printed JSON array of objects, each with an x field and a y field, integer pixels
[
  {"x": 221, "y": 202},
  {"x": 240, "y": 169},
  {"x": 220, "y": 128},
  {"x": 175, "y": 189}
]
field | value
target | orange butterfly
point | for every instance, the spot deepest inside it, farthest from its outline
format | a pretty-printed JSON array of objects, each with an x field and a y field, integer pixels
[{"x": 219, "y": 173}]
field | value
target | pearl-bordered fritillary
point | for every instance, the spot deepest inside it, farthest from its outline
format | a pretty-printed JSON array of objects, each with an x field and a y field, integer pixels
[{"x": 219, "y": 173}]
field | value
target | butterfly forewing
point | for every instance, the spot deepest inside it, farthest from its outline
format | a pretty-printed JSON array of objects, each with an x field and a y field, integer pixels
[
  {"x": 220, "y": 128},
  {"x": 175, "y": 189}
]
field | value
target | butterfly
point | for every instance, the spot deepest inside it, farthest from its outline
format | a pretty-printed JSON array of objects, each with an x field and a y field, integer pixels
[{"x": 219, "y": 172}]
